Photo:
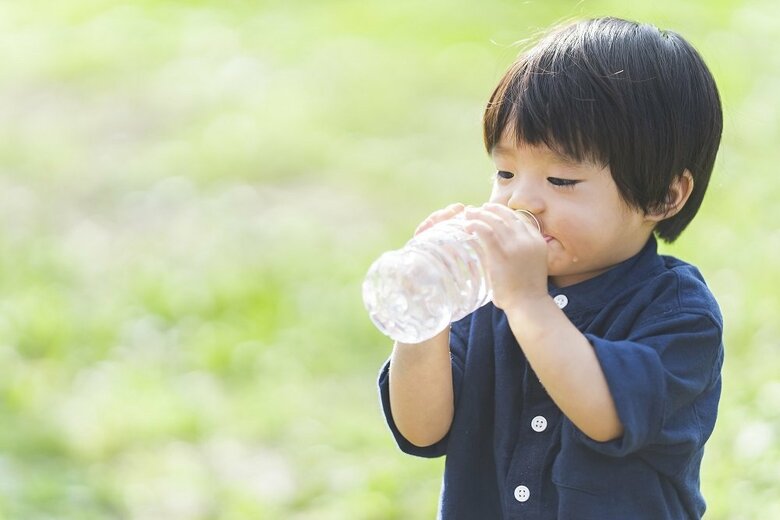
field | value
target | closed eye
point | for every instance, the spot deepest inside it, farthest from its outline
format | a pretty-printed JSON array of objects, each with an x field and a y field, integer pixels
[{"x": 567, "y": 183}]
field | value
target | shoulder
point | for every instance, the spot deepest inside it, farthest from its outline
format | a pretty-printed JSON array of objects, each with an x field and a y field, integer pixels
[
  {"x": 673, "y": 292},
  {"x": 689, "y": 289}
]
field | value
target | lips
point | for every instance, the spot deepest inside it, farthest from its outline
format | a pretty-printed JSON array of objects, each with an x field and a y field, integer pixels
[{"x": 547, "y": 238}]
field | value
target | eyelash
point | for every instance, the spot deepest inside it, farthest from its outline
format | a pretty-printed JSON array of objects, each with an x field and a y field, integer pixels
[
  {"x": 555, "y": 181},
  {"x": 562, "y": 183}
]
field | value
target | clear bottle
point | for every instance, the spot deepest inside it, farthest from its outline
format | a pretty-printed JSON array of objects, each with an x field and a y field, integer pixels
[{"x": 413, "y": 293}]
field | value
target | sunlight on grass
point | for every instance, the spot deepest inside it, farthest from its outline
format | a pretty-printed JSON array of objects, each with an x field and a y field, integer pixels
[{"x": 191, "y": 192}]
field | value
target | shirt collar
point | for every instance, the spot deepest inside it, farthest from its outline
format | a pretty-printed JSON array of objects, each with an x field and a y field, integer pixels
[{"x": 599, "y": 290}]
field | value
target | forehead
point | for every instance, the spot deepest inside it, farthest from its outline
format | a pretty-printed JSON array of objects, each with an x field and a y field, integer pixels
[
  {"x": 513, "y": 151},
  {"x": 510, "y": 148}
]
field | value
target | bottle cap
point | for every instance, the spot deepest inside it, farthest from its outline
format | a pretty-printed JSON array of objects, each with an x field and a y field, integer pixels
[{"x": 530, "y": 217}]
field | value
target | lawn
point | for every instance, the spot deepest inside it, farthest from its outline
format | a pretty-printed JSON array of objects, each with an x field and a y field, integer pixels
[{"x": 192, "y": 191}]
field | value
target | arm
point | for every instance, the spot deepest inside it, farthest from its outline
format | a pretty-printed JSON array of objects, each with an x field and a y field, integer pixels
[
  {"x": 420, "y": 375},
  {"x": 421, "y": 395},
  {"x": 567, "y": 365},
  {"x": 561, "y": 355}
]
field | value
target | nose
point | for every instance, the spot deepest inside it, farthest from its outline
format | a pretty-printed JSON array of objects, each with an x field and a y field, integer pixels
[{"x": 527, "y": 196}]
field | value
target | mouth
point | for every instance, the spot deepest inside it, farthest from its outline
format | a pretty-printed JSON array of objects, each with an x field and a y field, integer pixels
[{"x": 547, "y": 238}]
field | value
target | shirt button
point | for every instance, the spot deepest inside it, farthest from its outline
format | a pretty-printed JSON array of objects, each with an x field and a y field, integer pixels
[
  {"x": 561, "y": 301},
  {"x": 522, "y": 493},
  {"x": 539, "y": 423}
]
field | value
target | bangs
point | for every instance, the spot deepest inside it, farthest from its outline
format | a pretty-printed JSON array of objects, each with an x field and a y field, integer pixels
[{"x": 556, "y": 97}]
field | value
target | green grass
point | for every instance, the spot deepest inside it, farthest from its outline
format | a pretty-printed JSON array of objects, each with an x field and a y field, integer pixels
[{"x": 191, "y": 192}]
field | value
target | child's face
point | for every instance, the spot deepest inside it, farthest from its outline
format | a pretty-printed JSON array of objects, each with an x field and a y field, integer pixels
[{"x": 587, "y": 225}]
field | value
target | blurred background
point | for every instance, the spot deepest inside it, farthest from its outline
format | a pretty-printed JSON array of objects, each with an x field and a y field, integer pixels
[{"x": 192, "y": 191}]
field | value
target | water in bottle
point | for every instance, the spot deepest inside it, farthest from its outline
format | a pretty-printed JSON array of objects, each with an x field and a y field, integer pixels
[{"x": 438, "y": 277}]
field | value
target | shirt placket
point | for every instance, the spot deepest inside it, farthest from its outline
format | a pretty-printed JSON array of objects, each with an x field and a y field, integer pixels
[{"x": 523, "y": 491}]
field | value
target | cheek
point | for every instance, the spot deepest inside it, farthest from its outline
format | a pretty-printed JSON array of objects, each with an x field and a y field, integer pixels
[
  {"x": 573, "y": 225},
  {"x": 583, "y": 218},
  {"x": 578, "y": 232}
]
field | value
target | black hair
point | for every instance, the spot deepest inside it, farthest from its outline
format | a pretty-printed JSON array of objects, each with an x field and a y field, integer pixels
[{"x": 620, "y": 94}]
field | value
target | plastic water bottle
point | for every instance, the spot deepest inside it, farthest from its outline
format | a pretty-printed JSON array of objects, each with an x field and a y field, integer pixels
[{"x": 415, "y": 292}]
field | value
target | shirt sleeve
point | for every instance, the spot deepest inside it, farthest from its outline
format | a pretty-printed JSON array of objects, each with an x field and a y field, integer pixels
[
  {"x": 457, "y": 353},
  {"x": 665, "y": 382}
]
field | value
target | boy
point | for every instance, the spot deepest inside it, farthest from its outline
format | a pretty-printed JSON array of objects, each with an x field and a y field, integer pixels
[{"x": 588, "y": 388}]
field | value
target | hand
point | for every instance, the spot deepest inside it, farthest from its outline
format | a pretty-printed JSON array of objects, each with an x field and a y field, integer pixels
[
  {"x": 439, "y": 216},
  {"x": 514, "y": 253}
]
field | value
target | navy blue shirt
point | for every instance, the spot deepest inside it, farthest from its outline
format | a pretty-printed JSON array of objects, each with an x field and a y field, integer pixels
[{"x": 657, "y": 332}]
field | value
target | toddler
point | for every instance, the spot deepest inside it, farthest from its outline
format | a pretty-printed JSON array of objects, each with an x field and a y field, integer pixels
[{"x": 589, "y": 386}]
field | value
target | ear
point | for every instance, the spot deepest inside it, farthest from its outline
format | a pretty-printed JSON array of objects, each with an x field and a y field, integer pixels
[{"x": 679, "y": 191}]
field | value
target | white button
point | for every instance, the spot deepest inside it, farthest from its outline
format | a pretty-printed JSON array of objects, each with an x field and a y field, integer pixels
[
  {"x": 561, "y": 301},
  {"x": 539, "y": 423},
  {"x": 522, "y": 493}
]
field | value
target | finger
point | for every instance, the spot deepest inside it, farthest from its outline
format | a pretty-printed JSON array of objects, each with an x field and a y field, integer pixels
[
  {"x": 439, "y": 216},
  {"x": 499, "y": 209},
  {"x": 529, "y": 219},
  {"x": 484, "y": 231},
  {"x": 453, "y": 209},
  {"x": 502, "y": 224}
]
